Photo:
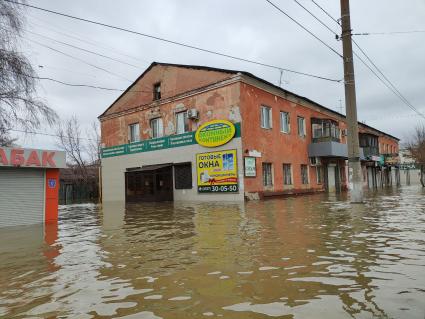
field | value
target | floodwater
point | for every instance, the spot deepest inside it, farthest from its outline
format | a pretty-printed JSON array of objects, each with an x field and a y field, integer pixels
[{"x": 305, "y": 257}]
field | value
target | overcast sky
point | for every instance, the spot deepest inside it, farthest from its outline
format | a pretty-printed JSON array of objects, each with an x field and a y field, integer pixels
[{"x": 249, "y": 29}]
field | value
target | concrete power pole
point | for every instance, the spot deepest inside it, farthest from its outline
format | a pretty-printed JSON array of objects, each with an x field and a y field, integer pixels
[{"x": 355, "y": 170}]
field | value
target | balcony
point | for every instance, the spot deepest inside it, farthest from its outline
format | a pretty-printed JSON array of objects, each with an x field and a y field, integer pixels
[
  {"x": 330, "y": 149},
  {"x": 370, "y": 151}
]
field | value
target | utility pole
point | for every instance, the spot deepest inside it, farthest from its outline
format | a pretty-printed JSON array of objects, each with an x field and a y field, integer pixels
[{"x": 355, "y": 170}]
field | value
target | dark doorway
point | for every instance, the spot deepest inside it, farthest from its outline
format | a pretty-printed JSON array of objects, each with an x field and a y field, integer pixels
[{"x": 152, "y": 183}]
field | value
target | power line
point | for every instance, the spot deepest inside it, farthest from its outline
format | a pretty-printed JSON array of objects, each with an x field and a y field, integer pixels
[
  {"x": 390, "y": 33},
  {"x": 327, "y": 13},
  {"x": 78, "y": 59},
  {"x": 47, "y": 134},
  {"x": 388, "y": 83},
  {"x": 304, "y": 28},
  {"x": 82, "y": 49},
  {"x": 74, "y": 36},
  {"x": 176, "y": 42}
]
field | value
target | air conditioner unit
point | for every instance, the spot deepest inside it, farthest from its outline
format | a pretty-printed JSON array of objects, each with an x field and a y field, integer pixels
[
  {"x": 314, "y": 161},
  {"x": 192, "y": 114}
]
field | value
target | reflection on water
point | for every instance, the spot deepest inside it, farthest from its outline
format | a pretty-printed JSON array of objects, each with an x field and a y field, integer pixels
[{"x": 305, "y": 257}]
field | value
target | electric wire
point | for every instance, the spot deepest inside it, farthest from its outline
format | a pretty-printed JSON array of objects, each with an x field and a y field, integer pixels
[
  {"x": 178, "y": 43},
  {"x": 77, "y": 37},
  {"x": 45, "y": 134},
  {"x": 84, "y": 50},
  {"x": 389, "y": 85},
  {"x": 78, "y": 59},
  {"x": 390, "y": 33},
  {"x": 303, "y": 27}
]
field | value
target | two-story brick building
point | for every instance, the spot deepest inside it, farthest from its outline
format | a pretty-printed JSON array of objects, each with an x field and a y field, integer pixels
[{"x": 281, "y": 143}]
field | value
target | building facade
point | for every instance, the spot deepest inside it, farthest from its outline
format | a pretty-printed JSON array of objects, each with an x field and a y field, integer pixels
[{"x": 283, "y": 143}]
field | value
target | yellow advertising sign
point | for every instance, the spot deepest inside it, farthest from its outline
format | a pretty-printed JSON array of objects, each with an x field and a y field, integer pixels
[
  {"x": 215, "y": 133},
  {"x": 217, "y": 172}
]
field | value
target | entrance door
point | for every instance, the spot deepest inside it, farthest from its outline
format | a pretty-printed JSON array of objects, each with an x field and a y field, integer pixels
[
  {"x": 150, "y": 185},
  {"x": 332, "y": 178}
]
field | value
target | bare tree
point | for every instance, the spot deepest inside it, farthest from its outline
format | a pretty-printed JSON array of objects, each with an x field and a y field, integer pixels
[
  {"x": 416, "y": 148},
  {"x": 19, "y": 104},
  {"x": 70, "y": 140},
  {"x": 93, "y": 143}
]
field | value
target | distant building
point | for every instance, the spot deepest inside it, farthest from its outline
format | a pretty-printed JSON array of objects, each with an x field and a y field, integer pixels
[{"x": 167, "y": 138}]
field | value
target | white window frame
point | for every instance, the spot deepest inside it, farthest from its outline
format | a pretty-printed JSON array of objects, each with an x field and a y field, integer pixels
[
  {"x": 157, "y": 127},
  {"x": 271, "y": 174},
  {"x": 286, "y": 119},
  {"x": 303, "y": 132},
  {"x": 290, "y": 174},
  {"x": 133, "y": 138},
  {"x": 185, "y": 122},
  {"x": 265, "y": 125},
  {"x": 308, "y": 175}
]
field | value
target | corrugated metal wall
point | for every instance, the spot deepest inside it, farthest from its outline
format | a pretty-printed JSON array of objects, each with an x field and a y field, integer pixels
[{"x": 21, "y": 196}]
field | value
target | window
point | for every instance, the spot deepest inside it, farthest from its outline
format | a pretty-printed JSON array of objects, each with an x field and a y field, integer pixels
[
  {"x": 304, "y": 174},
  {"x": 267, "y": 174},
  {"x": 157, "y": 91},
  {"x": 287, "y": 174},
  {"x": 183, "y": 176},
  {"x": 133, "y": 133},
  {"x": 301, "y": 126},
  {"x": 157, "y": 128},
  {"x": 284, "y": 122},
  {"x": 319, "y": 174},
  {"x": 266, "y": 117},
  {"x": 182, "y": 123}
]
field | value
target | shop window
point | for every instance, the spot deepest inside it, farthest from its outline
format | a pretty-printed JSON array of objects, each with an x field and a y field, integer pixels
[
  {"x": 301, "y": 126},
  {"x": 267, "y": 174},
  {"x": 319, "y": 174},
  {"x": 182, "y": 123},
  {"x": 133, "y": 133},
  {"x": 284, "y": 122},
  {"x": 304, "y": 174},
  {"x": 157, "y": 128},
  {"x": 183, "y": 176},
  {"x": 157, "y": 91},
  {"x": 266, "y": 117},
  {"x": 287, "y": 174}
]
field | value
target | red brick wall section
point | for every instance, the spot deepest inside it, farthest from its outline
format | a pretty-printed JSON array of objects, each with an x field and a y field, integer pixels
[
  {"x": 220, "y": 103},
  {"x": 174, "y": 80},
  {"x": 52, "y": 195},
  {"x": 277, "y": 147}
]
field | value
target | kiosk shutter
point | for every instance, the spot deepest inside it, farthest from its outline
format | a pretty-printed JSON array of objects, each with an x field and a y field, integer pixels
[{"x": 21, "y": 196}]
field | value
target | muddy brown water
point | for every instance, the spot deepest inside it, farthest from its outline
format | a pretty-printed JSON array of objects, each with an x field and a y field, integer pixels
[{"x": 304, "y": 257}]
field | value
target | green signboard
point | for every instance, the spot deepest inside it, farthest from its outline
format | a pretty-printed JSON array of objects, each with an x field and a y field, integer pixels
[{"x": 156, "y": 144}]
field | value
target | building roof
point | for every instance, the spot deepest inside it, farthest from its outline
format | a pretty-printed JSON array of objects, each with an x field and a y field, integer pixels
[{"x": 248, "y": 74}]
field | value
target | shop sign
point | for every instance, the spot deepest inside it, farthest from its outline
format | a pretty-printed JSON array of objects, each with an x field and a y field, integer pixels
[
  {"x": 217, "y": 172},
  {"x": 215, "y": 133},
  {"x": 250, "y": 166},
  {"x": 156, "y": 144},
  {"x": 20, "y": 157}
]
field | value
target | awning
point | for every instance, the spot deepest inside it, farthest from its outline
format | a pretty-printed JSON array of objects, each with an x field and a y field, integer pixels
[{"x": 147, "y": 168}]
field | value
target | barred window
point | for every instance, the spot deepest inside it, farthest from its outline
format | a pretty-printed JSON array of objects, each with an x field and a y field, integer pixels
[
  {"x": 183, "y": 176},
  {"x": 304, "y": 174},
  {"x": 287, "y": 174},
  {"x": 267, "y": 174}
]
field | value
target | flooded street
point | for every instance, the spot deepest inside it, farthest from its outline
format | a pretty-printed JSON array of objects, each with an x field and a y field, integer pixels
[{"x": 303, "y": 257}]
